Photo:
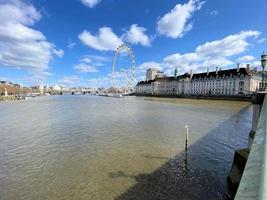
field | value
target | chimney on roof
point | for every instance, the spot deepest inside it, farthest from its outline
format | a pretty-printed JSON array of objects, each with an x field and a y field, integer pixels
[
  {"x": 208, "y": 71},
  {"x": 217, "y": 70},
  {"x": 176, "y": 73},
  {"x": 238, "y": 67},
  {"x": 191, "y": 74}
]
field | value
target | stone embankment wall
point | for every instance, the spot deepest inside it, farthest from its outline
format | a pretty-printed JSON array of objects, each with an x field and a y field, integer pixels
[
  {"x": 241, "y": 155},
  {"x": 210, "y": 97}
]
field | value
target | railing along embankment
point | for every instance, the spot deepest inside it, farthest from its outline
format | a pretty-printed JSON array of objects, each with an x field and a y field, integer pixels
[{"x": 253, "y": 183}]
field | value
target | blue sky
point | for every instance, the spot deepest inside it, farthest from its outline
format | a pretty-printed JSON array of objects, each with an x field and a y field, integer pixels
[{"x": 72, "y": 42}]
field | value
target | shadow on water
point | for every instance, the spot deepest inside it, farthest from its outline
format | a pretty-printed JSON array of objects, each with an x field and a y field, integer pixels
[{"x": 198, "y": 173}]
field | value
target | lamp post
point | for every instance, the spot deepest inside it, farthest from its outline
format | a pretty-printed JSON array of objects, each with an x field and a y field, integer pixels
[{"x": 263, "y": 64}]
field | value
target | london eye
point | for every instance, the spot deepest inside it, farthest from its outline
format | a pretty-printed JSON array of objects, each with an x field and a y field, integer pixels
[{"x": 129, "y": 73}]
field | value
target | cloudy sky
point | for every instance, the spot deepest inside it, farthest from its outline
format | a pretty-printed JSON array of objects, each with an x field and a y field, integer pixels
[{"x": 72, "y": 42}]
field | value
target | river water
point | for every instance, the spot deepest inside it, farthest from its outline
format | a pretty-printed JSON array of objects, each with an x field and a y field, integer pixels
[{"x": 89, "y": 147}]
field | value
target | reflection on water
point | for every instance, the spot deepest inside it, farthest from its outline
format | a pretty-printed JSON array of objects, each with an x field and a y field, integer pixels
[{"x": 83, "y": 147}]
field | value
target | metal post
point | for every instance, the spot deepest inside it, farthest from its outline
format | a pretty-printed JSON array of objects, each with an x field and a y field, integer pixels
[
  {"x": 186, "y": 137},
  {"x": 263, "y": 64}
]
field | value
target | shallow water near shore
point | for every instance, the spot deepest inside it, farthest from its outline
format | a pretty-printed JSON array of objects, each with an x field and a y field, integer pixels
[{"x": 89, "y": 147}]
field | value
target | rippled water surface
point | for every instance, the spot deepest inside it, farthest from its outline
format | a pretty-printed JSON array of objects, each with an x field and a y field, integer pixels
[{"x": 87, "y": 147}]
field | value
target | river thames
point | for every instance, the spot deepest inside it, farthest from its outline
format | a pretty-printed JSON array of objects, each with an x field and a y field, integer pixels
[{"x": 89, "y": 147}]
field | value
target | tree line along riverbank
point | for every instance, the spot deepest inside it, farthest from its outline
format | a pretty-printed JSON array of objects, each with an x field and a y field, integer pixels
[
  {"x": 9, "y": 92},
  {"x": 14, "y": 90}
]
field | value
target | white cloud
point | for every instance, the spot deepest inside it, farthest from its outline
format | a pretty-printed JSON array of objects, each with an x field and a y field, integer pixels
[
  {"x": 85, "y": 60},
  {"x": 146, "y": 65},
  {"x": 176, "y": 23},
  {"x": 70, "y": 80},
  {"x": 211, "y": 54},
  {"x": 184, "y": 62},
  {"x": 247, "y": 58},
  {"x": 214, "y": 12},
  {"x": 251, "y": 60},
  {"x": 22, "y": 47},
  {"x": 71, "y": 44},
  {"x": 182, "y": 59},
  {"x": 84, "y": 68},
  {"x": 95, "y": 60},
  {"x": 261, "y": 40},
  {"x": 228, "y": 46},
  {"x": 98, "y": 64},
  {"x": 136, "y": 35},
  {"x": 58, "y": 52},
  {"x": 19, "y": 12},
  {"x": 105, "y": 40},
  {"x": 99, "y": 82},
  {"x": 216, "y": 62},
  {"x": 256, "y": 63},
  {"x": 90, "y": 3},
  {"x": 87, "y": 63},
  {"x": 31, "y": 80},
  {"x": 99, "y": 58}
]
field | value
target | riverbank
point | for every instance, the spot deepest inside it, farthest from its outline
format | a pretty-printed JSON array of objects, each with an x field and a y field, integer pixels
[
  {"x": 204, "y": 103},
  {"x": 11, "y": 98},
  {"x": 209, "y": 97}
]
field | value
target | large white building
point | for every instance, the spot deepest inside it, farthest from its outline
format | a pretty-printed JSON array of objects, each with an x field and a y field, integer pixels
[{"x": 220, "y": 82}]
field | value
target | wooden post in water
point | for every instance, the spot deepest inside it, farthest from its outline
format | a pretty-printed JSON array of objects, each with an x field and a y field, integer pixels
[{"x": 186, "y": 137}]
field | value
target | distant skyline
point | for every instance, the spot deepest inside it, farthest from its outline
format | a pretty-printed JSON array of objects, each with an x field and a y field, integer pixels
[{"x": 72, "y": 42}]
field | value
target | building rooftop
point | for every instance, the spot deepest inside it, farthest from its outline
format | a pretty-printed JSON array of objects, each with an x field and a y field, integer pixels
[
  {"x": 150, "y": 69},
  {"x": 213, "y": 74}
]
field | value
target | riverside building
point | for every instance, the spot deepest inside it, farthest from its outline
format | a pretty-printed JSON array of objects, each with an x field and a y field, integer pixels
[{"x": 220, "y": 82}]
